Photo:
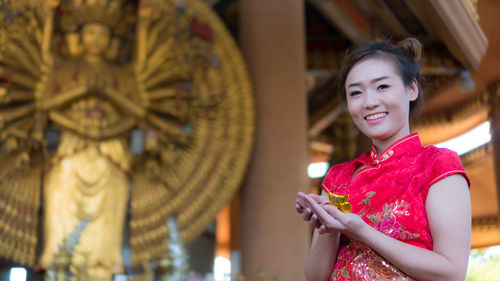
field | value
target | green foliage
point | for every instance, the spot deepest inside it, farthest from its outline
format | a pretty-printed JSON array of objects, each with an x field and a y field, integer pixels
[{"x": 484, "y": 265}]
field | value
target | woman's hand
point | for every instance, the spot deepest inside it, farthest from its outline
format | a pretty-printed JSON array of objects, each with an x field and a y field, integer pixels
[
  {"x": 327, "y": 218},
  {"x": 303, "y": 208}
]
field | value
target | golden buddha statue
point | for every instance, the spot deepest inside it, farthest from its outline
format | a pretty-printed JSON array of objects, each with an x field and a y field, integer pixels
[
  {"x": 88, "y": 177},
  {"x": 88, "y": 173},
  {"x": 98, "y": 72}
]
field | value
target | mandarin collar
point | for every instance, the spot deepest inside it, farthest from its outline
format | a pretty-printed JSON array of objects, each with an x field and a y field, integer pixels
[{"x": 405, "y": 145}]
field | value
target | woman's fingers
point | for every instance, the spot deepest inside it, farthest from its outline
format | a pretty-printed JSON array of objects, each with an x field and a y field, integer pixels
[
  {"x": 298, "y": 206},
  {"x": 315, "y": 207},
  {"x": 319, "y": 198},
  {"x": 322, "y": 229},
  {"x": 306, "y": 215},
  {"x": 302, "y": 207},
  {"x": 314, "y": 221},
  {"x": 301, "y": 202},
  {"x": 333, "y": 211}
]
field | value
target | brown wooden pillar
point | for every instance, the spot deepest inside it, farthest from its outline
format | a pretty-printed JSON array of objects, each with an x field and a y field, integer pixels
[
  {"x": 494, "y": 94},
  {"x": 273, "y": 237}
]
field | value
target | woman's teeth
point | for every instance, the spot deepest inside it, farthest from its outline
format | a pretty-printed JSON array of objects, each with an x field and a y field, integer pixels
[{"x": 376, "y": 116}]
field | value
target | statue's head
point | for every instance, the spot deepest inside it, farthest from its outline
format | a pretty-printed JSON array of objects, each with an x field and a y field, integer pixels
[
  {"x": 96, "y": 27},
  {"x": 95, "y": 38}
]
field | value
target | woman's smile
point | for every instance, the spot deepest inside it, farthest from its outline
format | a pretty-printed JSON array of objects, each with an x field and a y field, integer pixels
[{"x": 376, "y": 118}]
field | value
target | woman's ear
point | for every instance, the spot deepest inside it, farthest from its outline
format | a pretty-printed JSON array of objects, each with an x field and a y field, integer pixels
[{"x": 413, "y": 90}]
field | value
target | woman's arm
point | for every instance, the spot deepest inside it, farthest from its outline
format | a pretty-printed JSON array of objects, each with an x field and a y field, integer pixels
[
  {"x": 322, "y": 257},
  {"x": 324, "y": 247},
  {"x": 448, "y": 212}
]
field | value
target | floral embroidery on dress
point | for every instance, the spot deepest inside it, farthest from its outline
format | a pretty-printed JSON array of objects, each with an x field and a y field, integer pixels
[
  {"x": 345, "y": 273},
  {"x": 367, "y": 202},
  {"x": 386, "y": 221},
  {"x": 360, "y": 262}
]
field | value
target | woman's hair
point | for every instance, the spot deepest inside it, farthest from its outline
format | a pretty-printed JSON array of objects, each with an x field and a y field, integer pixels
[{"x": 404, "y": 54}]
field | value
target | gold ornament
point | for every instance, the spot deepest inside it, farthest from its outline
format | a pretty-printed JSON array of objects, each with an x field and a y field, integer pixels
[{"x": 340, "y": 201}]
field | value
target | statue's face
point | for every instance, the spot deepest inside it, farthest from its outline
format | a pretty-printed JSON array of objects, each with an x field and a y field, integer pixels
[{"x": 95, "y": 38}]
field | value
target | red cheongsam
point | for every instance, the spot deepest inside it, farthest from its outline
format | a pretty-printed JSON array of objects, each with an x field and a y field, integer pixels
[{"x": 389, "y": 194}]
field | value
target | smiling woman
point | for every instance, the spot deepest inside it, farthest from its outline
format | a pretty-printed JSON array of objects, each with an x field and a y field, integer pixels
[
  {"x": 378, "y": 101},
  {"x": 410, "y": 216}
]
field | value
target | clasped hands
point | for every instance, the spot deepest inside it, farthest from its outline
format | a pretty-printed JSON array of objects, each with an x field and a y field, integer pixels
[{"x": 325, "y": 217}]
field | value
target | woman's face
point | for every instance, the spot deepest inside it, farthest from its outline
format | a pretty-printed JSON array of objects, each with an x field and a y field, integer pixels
[
  {"x": 378, "y": 100},
  {"x": 95, "y": 38}
]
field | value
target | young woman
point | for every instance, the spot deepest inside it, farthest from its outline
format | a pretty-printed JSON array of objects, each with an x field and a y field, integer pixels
[{"x": 410, "y": 216}]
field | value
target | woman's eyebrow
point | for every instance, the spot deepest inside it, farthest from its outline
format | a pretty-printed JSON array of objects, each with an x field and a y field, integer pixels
[
  {"x": 357, "y": 84},
  {"x": 380, "y": 79},
  {"x": 354, "y": 85}
]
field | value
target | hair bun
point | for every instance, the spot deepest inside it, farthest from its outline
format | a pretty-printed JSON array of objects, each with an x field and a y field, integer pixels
[{"x": 412, "y": 47}]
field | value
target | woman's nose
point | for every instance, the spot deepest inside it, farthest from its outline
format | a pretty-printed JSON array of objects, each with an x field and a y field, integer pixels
[{"x": 371, "y": 99}]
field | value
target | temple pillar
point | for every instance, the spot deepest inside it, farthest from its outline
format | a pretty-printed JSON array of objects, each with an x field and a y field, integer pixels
[{"x": 274, "y": 238}]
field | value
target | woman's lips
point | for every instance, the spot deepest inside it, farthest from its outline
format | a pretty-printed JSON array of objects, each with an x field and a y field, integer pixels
[{"x": 376, "y": 118}]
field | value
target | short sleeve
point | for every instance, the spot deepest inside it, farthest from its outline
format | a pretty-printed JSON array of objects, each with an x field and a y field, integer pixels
[{"x": 444, "y": 163}]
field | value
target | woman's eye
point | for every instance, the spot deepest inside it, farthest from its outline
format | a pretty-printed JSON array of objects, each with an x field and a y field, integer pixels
[
  {"x": 354, "y": 93},
  {"x": 383, "y": 86}
]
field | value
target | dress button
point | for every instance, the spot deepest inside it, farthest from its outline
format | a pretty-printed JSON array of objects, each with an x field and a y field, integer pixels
[{"x": 376, "y": 161}]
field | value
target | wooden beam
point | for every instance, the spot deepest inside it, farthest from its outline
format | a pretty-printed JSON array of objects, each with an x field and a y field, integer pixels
[
  {"x": 417, "y": 14},
  {"x": 318, "y": 126},
  {"x": 346, "y": 17},
  {"x": 389, "y": 18},
  {"x": 456, "y": 25},
  {"x": 485, "y": 232}
]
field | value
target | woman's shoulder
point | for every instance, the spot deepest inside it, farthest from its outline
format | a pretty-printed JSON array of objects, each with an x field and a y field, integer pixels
[
  {"x": 442, "y": 162},
  {"x": 439, "y": 154}
]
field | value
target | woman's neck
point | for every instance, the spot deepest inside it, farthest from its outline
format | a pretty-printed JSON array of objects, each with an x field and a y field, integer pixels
[{"x": 382, "y": 145}]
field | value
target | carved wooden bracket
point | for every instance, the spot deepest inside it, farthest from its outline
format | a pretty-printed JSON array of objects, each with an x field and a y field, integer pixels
[{"x": 456, "y": 24}]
